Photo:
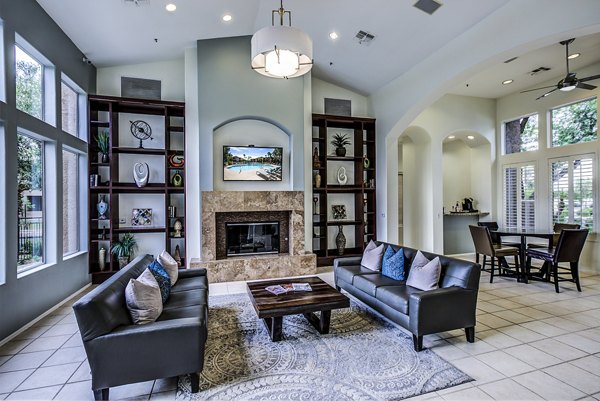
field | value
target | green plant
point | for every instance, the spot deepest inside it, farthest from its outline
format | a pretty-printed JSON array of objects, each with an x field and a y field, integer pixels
[
  {"x": 102, "y": 140},
  {"x": 125, "y": 246},
  {"x": 340, "y": 140}
]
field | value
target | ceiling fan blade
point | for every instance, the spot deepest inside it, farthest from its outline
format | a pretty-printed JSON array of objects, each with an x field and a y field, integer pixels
[
  {"x": 590, "y": 78},
  {"x": 581, "y": 85},
  {"x": 546, "y": 94},
  {"x": 537, "y": 89}
]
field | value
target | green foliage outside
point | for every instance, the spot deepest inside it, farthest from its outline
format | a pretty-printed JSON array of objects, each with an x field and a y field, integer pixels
[
  {"x": 28, "y": 85},
  {"x": 575, "y": 123}
]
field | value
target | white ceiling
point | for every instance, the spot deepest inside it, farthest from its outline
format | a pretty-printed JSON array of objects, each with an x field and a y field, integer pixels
[{"x": 118, "y": 32}]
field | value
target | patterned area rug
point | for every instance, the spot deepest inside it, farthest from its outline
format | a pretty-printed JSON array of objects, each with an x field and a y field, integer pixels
[{"x": 363, "y": 358}]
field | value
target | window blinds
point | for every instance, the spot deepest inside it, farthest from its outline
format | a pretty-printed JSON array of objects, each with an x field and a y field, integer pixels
[{"x": 519, "y": 196}]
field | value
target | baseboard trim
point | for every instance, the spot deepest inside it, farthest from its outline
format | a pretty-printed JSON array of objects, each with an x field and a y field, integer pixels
[{"x": 43, "y": 315}]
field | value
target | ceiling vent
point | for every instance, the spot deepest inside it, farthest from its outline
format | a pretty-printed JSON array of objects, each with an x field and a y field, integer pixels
[
  {"x": 364, "y": 38},
  {"x": 428, "y": 6},
  {"x": 510, "y": 60},
  {"x": 538, "y": 70},
  {"x": 137, "y": 2}
]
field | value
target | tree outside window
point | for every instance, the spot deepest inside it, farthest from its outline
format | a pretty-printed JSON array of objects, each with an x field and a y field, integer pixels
[
  {"x": 29, "y": 73},
  {"x": 521, "y": 135},
  {"x": 575, "y": 123}
]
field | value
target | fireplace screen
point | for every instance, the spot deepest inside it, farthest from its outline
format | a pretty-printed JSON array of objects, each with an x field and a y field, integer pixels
[{"x": 252, "y": 238}]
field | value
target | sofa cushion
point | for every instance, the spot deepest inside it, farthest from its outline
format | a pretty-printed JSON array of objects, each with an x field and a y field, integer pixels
[
  {"x": 396, "y": 296},
  {"x": 186, "y": 298},
  {"x": 162, "y": 278},
  {"x": 369, "y": 283},
  {"x": 348, "y": 273},
  {"x": 182, "y": 313},
  {"x": 143, "y": 299},
  {"x": 170, "y": 265},
  {"x": 372, "y": 256},
  {"x": 190, "y": 283},
  {"x": 392, "y": 265},
  {"x": 424, "y": 274}
]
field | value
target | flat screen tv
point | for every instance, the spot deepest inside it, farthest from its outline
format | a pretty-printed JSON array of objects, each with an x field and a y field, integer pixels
[{"x": 252, "y": 163}]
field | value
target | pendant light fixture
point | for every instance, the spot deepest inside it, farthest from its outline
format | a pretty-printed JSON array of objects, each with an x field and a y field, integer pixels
[{"x": 281, "y": 51}]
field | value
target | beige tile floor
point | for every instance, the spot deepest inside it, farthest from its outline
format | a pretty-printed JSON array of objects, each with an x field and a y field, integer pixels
[{"x": 531, "y": 344}]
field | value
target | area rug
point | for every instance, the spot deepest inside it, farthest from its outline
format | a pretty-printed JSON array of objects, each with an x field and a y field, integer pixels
[{"x": 362, "y": 358}]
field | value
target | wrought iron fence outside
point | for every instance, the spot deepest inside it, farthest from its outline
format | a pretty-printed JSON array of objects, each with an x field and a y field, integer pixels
[{"x": 30, "y": 240}]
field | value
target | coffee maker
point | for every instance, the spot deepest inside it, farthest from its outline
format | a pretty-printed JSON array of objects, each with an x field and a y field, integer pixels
[{"x": 467, "y": 205}]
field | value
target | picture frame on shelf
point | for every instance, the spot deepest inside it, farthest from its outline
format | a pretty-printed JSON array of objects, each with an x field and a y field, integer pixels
[{"x": 141, "y": 217}]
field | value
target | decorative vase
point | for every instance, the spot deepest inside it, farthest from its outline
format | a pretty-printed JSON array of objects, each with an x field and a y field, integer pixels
[
  {"x": 177, "y": 180},
  {"x": 141, "y": 174},
  {"x": 123, "y": 260},
  {"x": 102, "y": 259},
  {"x": 177, "y": 256},
  {"x": 366, "y": 162},
  {"x": 340, "y": 241},
  {"x": 341, "y": 152},
  {"x": 105, "y": 158},
  {"x": 102, "y": 208},
  {"x": 316, "y": 161},
  {"x": 317, "y": 180}
]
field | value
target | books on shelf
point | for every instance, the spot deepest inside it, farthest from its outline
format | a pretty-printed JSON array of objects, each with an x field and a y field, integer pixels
[{"x": 291, "y": 287}]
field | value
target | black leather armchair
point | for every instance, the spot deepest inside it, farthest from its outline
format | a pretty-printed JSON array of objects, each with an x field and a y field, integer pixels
[
  {"x": 450, "y": 307},
  {"x": 120, "y": 352}
]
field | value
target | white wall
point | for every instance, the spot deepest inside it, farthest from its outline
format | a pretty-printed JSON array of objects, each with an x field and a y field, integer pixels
[
  {"x": 520, "y": 104},
  {"x": 171, "y": 74},
  {"x": 457, "y": 172},
  {"x": 322, "y": 89}
]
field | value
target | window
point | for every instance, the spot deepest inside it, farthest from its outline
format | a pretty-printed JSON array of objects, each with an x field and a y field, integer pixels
[
  {"x": 29, "y": 84},
  {"x": 573, "y": 194},
  {"x": 70, "y": 202},
  {"x": 69, "y": 109},
  {"x": 521, "y": 135},
  {"x": 30, "y": 189},
  {"x": 519, "y": 196},
  {"x": 575, "y": 123}
]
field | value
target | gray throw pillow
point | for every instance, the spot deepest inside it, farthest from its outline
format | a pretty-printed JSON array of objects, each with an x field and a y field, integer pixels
[
  {"x": 143, "y": 299},
  {"x": 372, "y": 256},
  {"x": 424, "y": 274},
  {"x": 170, "y": 265}
]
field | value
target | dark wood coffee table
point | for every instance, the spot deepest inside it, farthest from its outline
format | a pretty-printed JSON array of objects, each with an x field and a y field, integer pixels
[{"x": 272, "y": 308}]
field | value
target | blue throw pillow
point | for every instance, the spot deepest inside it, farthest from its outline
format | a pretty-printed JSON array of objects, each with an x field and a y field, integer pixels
[
  {"x": 393, "y": 264},
  {"x": 162, "y": 278}
]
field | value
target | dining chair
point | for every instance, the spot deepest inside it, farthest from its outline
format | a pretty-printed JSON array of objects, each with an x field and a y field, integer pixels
[
  {"x": 496, "y": 239},
  {"x": 568, "y": 250},
  {"x": 485, "y": 246},
  {"x": 557, "y": 229}
]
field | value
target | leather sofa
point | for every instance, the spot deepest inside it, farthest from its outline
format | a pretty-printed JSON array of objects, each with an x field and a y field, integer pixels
[
  {"x": 450, "y": 307},
  {"x": 120, "y": 352}
]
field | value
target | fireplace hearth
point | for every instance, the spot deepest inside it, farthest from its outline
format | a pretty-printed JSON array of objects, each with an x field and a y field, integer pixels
[{"x": 252, "y": 238}]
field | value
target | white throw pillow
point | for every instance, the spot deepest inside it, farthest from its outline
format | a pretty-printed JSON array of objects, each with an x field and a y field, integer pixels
[
  {"x": 170, "y": 265},
  {"x": 424, "y": 274},
  {"x": 372, "y": 256},
  {"x": 143, "y": 299}
]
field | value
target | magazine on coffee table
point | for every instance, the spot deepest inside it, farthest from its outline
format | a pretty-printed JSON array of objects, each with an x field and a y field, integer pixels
[
  {"x": 301, "y": 287},
  {"x": 276, "y": 289},
  {"x": 285, "y": 288}
]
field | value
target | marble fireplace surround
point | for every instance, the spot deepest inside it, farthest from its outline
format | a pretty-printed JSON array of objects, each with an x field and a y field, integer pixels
[{"x": 295, "y": 262}]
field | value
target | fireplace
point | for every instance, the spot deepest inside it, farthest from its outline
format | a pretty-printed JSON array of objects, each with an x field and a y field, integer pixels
[{"x": 254, "y": 238}]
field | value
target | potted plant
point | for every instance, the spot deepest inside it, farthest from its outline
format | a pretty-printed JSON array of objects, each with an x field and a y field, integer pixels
[
  {"x": 340, "y": 141},
  {"x": 123, "y": 249},
  {"x": 102, "y": 141}
]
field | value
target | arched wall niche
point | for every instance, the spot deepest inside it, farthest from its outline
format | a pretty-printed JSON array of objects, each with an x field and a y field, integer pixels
[{"x": 259, "y": 132}]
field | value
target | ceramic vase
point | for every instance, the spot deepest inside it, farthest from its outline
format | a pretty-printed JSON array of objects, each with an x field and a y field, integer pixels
[
  {"x": 102, "y": 259},
  {"x": 177, "y": 256},
  {"x": 340, "y": 241},
  {"x": 105, "y": 158},
  {"x": 177, "y": 180},
  {"x": 141, "y": 174},
  {"x": 317, "y": 180},
  {"x": 123, "y": 260},
  {"x": 341, "y": 152},
  {"x": 102, "y": 208}
]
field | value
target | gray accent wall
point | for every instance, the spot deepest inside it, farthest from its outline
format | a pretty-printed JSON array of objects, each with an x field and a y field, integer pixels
[{"x": 24, "y": 299}]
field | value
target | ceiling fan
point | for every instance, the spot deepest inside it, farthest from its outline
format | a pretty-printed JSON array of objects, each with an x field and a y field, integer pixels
[{"x": 570, "y": 81}]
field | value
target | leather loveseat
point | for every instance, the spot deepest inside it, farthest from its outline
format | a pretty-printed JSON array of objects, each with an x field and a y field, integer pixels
[
  {"x": 120, "y": 352},
  {"x": 450, "y": 307}
]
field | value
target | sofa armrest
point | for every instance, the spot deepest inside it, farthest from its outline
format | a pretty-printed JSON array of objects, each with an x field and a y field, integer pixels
[
  {"x": 185, "y": 273},
  {"x": 349, "y": 261},
  {"x": 441, "y": 310}
]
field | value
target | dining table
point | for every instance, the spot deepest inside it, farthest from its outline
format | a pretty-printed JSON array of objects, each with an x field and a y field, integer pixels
[{"x": 523, "y": 234}]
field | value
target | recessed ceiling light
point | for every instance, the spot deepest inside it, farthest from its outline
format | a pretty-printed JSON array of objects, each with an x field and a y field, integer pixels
[
  {"x": 471, "y": 137},
  {"x": 227, "y": 17},
  {"x": 508, "y": 81},
  {"x": 574, "y": 55},
  {"x": 333, "y": 35},
  {"x": 451, "y": 137},
  {"x": 170, "y": 7}
]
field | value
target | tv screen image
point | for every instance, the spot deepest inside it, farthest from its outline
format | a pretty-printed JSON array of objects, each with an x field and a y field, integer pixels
[{"x": 251, "y": 163}]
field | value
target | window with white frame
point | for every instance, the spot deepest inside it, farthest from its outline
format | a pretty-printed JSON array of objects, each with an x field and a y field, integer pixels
[
  {"x": 521, "y": 134},
  {"x": 30, "y": 190},
  {"x": 69, "y": 108},
  {"x": 70, "y": 202},
  {"x": 573, "y": 191},
  {"x": 29, "y": 74},
  {"x": 519, "y": 196},
  {"x": 575, "y": 123}
]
